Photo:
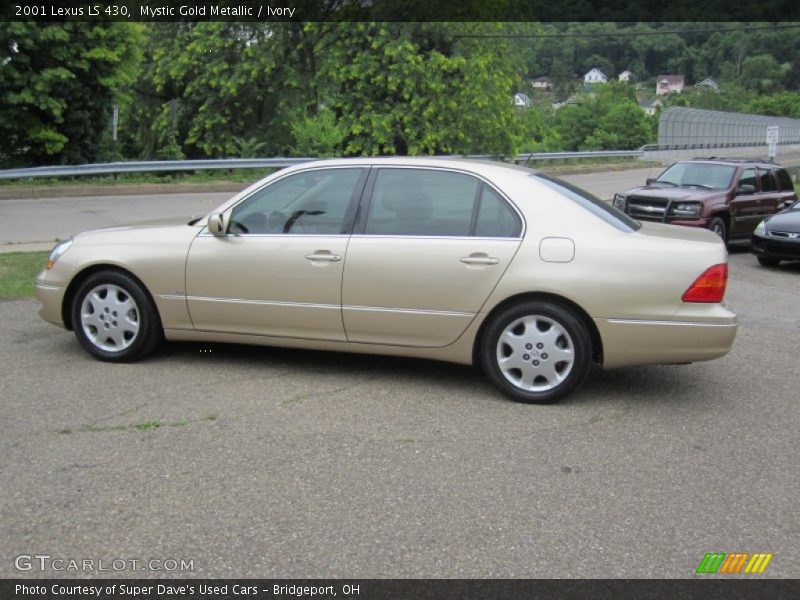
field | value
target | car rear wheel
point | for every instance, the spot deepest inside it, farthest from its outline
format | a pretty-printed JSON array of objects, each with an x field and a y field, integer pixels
[
  {"x": 718, "y": 226},
  {"x": 114, "y": 319},
  {"x": 536, "y": 351},
  {"x": 768, "y": 261}
]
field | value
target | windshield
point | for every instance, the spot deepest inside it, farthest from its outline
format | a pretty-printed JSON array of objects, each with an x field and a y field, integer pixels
[{"x": 705, "y": 175}]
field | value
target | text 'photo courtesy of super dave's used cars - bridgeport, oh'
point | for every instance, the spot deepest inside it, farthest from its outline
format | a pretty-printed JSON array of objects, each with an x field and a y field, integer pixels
[{"x": 481, "y": 263}]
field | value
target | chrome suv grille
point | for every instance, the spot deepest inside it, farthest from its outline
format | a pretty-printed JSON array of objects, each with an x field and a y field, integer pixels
[{"x": 647, "y": 208}]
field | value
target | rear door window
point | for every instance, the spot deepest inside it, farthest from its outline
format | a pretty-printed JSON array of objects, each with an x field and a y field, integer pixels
[
  {"x": 421, "y": 202},
  {"x": 767, "y": 181},
  {"x": 784, "y": 180}
]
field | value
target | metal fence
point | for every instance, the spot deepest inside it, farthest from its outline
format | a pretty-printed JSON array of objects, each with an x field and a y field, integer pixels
[{"x": 689, "y": 128}]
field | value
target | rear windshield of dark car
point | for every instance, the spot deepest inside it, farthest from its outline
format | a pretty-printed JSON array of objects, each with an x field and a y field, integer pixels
[{"x": 593, "y": 204}]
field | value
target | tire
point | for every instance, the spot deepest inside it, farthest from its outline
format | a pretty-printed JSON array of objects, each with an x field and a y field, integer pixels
[
  {"x": 521, "y": 348},
  {"x": 114, "y": 318},
  {"x": 718, "y": 226},
  {"x": 768, "y": 261}
]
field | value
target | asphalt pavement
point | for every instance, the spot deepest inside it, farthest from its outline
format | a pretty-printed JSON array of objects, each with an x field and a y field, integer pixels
[{"x": 264, "y": 462}]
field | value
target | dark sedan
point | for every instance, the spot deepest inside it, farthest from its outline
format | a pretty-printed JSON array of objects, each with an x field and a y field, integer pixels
[{"x": 777, "y": 237}]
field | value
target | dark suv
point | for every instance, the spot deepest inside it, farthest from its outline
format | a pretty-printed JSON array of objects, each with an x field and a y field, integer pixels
[{"x": 728, "y": 196}]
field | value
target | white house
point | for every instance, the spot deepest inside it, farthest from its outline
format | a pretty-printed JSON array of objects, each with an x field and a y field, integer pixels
[
  {"x": 521, "y": 100},
  {"x": 625, "y": 76},
  {"x": 667, "y": 84},
  {"x": 542, "y": 83},
  {"x": 595, "y": 76},
  {"x": 651, "y": 106},
  {"x": 708, "y": 84}
]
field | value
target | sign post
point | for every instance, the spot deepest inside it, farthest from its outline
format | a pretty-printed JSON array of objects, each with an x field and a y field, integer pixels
[{"x": 772, "y": 141}]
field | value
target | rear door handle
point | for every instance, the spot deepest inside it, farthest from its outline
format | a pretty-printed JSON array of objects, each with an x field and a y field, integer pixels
[
  {"x": 324, "y": 255},
  {"x": 479, "y": 259}
]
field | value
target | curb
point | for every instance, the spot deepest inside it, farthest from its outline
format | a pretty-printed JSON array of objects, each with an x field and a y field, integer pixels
[{"x": 26, "y": 247}]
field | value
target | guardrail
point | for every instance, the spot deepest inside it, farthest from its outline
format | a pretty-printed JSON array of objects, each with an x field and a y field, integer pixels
[
  {"x": 151, "y": 166},
  {"x": 254, "y": 163}
]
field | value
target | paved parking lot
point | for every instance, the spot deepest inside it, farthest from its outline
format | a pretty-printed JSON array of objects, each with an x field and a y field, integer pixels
[{"x": 275, "y": 463}]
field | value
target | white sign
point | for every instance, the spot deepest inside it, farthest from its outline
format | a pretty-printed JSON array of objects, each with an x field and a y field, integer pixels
[{"x": 772, "y": 134}]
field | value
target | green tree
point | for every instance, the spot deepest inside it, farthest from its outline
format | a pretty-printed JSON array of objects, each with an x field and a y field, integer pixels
[
  {"x": 58, "y": 85},
  {"x": 784, "y": 104},
  {"x": 318, "y": 136},
  {"x": 610, "y": 119},
  {"x": 408, "y": 88},
  {"x": 761, "y": 73},
  {"x": 623, "y": 126}
]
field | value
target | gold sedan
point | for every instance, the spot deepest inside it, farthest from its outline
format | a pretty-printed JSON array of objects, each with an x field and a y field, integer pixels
[{"x": 469, "y": 262}]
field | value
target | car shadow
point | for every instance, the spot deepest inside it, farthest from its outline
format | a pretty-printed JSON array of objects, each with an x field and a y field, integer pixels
[
  {"x": 322, "y": 362},
  {"x": 787, "y": 266},
  {"x": 642, "y": 384},
  {"x": 650, "y": 385}
]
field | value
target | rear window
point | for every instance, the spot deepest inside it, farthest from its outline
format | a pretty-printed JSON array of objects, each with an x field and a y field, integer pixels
[
  {"x": 593, "y": 204},
  {"x": 767, "y": 182}
]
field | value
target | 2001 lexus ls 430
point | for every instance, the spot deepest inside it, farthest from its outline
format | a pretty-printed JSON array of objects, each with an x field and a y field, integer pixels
[{"x": 470, "y": 262}]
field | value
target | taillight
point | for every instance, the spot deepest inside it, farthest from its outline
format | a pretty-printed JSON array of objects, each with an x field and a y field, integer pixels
[{"x": 710, "y": 286}]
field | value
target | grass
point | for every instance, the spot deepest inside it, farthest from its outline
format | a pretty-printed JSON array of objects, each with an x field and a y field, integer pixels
[
  {"x": 149, "y": 425},
  {"x": 203, "y": 176},
  {"x": 18, "y": 271}
]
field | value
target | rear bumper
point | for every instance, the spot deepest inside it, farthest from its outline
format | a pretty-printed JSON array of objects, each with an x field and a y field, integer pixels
[{"x": 637, "y": 342}]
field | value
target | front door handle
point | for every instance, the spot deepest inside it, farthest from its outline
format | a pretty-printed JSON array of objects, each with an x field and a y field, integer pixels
[
  {"x": 324, "y": 255},
  {"x": 479, "y": 258}
]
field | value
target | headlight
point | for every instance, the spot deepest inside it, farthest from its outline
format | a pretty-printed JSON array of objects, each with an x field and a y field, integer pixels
[
  {"x": 687, "y": 209},
  {"x": 56, "y": 252},
  {"x": 619, "y": 201},
  {"x": 761, "y": 228}
]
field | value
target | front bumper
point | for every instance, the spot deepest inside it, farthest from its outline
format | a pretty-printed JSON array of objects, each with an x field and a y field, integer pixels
[
  {"x": 784, "y": 249},
  {"x": 701, "y": 222},
  {"x": 50, "y": 297}
]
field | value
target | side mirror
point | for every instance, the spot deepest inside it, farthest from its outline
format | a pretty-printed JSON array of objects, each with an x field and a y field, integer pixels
[
  {"x": 746, "y": 188},
  {"x": 216, "y": 225},
  {"x": 649, "y": 181}
]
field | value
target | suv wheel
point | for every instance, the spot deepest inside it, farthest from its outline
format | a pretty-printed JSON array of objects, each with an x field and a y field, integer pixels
[{"x": 718, "y": 226}]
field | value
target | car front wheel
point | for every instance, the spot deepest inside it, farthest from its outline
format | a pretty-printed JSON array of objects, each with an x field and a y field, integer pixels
[
  {"x": 768, "y": 261},
  {"x": 536, "y": 351},
  {"x": 114, "y": 319}
]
